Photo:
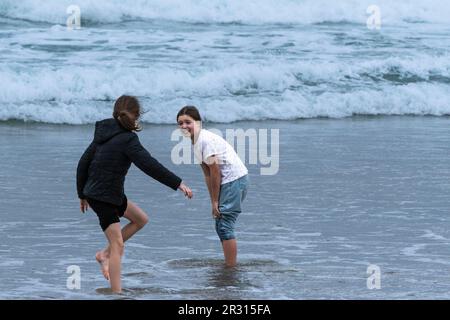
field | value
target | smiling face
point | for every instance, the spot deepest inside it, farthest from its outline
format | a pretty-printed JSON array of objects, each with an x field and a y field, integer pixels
[{"x": 188, "y": 126}]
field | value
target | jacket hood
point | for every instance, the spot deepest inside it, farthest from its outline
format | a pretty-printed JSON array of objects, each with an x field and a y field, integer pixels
[{"x": 106, "y": 129}]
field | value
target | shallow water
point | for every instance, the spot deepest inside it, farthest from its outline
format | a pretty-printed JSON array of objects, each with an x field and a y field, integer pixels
[{"x": 348, "y": 194}]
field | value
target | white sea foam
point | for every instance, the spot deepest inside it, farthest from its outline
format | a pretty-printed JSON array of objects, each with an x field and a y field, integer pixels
[
  {"x": 243, "y": 91},
  {"x": 412, "y": 250},
  {"x": 413, "y": 99},
  {"x": 250, "y": 11},
  {"x": 230, "y": 72}
]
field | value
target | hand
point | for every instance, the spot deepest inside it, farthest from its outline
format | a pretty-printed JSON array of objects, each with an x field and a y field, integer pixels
[
  {"x": 215, "y": 210},
  {"x": 186, "y": 190},
  {"x": 84, "y": 205}
]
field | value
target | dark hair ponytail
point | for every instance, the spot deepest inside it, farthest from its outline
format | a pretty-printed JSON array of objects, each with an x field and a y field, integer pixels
[
  {"x": 127, "y": 111},
  {"x": 190, "y": 111}
]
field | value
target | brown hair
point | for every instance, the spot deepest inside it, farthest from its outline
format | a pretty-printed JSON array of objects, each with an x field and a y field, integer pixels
[
  {"x": 190, "y": 111},
  {"x": 127, "y": 111}
]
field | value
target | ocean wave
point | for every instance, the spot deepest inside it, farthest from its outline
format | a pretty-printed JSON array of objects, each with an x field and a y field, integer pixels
[
  {"x": 230, "y": 91},
  {"x": 104, "y": 82},
  {"x": 218, "y": 11},
  {"x": 412, "y": 99}
]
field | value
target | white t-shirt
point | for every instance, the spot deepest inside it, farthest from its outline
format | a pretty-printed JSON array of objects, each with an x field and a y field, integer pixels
[{"x": 208, "y": 144}]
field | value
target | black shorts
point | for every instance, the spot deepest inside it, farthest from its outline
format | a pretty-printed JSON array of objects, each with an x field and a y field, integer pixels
[{"x": 108, "y": 213}]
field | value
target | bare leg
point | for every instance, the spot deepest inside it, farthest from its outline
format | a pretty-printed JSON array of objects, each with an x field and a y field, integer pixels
[
  {"x": 138, "y": 219},
  {"x": 230, "y": 252},
  {"x": 114, "y": 236}
]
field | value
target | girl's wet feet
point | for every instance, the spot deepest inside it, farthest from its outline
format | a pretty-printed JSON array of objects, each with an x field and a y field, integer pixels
[{"x": 103, "y": 260}]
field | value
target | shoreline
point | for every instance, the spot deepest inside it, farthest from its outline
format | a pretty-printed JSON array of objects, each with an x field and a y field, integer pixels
[{"x": 271, "y": 121}]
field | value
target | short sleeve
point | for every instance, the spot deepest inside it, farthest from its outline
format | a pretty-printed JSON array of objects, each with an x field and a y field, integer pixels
[{"x": 209, "y": 148}]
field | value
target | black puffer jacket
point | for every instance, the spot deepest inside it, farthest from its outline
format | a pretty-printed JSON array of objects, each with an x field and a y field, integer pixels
[{"x": 103, "y": 166}]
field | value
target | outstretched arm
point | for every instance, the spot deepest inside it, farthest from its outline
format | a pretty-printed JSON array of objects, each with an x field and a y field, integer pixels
[{"x": 149, "y": 165}]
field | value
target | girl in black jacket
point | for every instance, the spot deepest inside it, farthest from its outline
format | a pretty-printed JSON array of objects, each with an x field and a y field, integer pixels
[{"x": 100, "y": 181}]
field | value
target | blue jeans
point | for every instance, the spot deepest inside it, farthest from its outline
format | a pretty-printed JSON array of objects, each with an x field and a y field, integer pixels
[{"x": 231, "y": 196}]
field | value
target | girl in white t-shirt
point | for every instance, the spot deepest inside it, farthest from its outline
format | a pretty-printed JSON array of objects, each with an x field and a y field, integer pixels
[{"x": 225, "y": 175}]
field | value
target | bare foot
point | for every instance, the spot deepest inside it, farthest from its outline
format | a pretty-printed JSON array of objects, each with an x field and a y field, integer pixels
[{"x": 101, "y": 258}]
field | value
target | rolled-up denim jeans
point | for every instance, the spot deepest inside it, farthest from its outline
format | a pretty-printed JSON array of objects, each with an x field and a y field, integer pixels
[{"x": 231, "y": 196}]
